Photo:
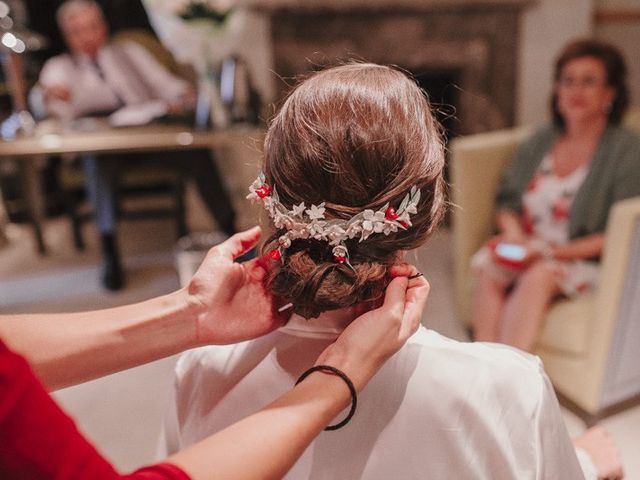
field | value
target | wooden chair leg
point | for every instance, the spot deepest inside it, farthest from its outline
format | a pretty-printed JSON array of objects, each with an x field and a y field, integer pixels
[
  {"x": 76, "y": 229},
  {"x": 34, "y": 199},
  {"x": 70, "y": 201},
  {"x": 37, "y": 232},
  {"x": 71, "y": 208}
]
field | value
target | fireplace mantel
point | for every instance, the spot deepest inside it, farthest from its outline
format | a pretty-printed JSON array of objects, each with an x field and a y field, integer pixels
[
  {"x": 475, "y": 39},
  {"x": 381, "y": 5}
]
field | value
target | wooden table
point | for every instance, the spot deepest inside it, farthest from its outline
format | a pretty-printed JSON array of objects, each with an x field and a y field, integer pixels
[
  {"x": 113, "y": 140},
  {"x": 97, "y": 138}
]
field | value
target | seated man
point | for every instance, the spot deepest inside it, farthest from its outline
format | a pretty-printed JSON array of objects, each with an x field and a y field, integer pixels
[{"x": 100, "y": 77}]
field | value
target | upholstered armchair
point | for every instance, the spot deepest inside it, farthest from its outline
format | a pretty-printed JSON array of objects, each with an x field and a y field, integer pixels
[{"x": 590, "y": 346}]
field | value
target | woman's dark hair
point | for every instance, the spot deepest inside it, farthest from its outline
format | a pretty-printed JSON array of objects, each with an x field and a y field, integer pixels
[
  {"x": 355, "y": 137},
  {"x": 614, "y": 66}
]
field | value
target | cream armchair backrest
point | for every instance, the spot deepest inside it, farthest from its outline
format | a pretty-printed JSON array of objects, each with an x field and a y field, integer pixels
[{"x": 590, "y": 346}]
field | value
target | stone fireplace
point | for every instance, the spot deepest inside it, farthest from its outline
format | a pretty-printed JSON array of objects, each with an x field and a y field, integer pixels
[{"x": 463, "y": 52}]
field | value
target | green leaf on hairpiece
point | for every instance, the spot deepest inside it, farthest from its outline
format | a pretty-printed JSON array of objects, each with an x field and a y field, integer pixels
[
  {"x": 262, "y": 177},
  {"x": 403, "y": 205},
  {"x": 356, "y": 217}
]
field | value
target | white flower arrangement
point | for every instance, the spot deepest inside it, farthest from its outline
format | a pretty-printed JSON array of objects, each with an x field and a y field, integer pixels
[{"x": 303, "y": 222}]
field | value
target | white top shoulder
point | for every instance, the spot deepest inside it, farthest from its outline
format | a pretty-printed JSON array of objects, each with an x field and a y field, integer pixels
[{"x": 437, "y": 409}]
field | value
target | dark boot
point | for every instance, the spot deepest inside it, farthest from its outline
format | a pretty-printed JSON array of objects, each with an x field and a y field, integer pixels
[{"x": 112, "y": 274}]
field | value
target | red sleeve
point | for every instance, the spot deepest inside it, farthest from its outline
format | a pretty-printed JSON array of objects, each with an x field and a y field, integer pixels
[
  {"x": 39, "y": 441},
  {"x": 161, "y": 471}
]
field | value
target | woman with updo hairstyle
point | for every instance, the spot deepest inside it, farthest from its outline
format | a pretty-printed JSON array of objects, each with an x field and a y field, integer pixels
[
  {"x": 353, "y": 179},
  {"x": 321, "y": 148}
]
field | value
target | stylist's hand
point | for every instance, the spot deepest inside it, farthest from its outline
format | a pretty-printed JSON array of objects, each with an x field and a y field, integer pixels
[
  {"x": 372, "y": 338},
  {"x": 228, "y": 298}
]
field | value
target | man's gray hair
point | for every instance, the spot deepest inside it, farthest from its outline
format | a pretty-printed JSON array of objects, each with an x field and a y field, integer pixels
[{"x": 73, "y": 7}]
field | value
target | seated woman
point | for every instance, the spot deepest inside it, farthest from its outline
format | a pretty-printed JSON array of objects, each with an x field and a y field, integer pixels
[
  {"x": 353, "y": 179},
  {"x": 555, "y": 198}
]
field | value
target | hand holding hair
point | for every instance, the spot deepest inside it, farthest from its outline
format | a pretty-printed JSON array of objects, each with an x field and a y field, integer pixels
[
  {"x": 376, "y": 335},
  {"x": 231, "y": 302}
]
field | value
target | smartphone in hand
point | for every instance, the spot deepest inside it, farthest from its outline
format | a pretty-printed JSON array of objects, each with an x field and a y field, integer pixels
[{"x": 511, "y": 255}]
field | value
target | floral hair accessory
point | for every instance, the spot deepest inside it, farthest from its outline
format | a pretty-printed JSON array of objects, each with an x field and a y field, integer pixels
[{"x": 303, "y": 222}]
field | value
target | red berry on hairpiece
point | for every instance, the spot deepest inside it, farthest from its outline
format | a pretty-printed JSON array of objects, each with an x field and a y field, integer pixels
[
  {"x": 339, "y": 258},
  {"x": 391, "y": 214},
  {"x": 263, "y": 191},
  {"x": 275, "y": 254}
]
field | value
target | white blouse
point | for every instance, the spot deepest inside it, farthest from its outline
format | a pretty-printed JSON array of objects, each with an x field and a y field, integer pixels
[
  {"x": 438, "y": 409},
  {"x": 123, "y": 75}
]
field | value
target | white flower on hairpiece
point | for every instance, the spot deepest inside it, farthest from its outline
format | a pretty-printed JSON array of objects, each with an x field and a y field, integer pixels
[
  {"x": 315, "y": 212},
  {"x": 296, "y": 228},
  {"x": 335, "y": 234},
  {"x": 354, "y": 230},
  {"x": 389, "y": 227},
  {"x": 340, "y": 250},
  {"x": 341, "y": 254},
  {"x": 284, "y": 241},
  {"x": 280, "y": 220},
  {"x": 298, "y": 210},
  {"x": 316, "y": 229},
  {"x": 373, "y": 223}
]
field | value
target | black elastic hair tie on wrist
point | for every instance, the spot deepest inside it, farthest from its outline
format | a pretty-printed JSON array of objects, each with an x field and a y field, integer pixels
[{"x": 347, "y": 380}]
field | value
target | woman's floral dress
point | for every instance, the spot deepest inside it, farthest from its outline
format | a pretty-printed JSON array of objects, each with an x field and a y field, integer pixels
[{"x": 545, "y": 219}]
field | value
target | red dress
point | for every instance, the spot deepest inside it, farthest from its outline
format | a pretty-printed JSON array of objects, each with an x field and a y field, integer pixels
[{"x": 39, "y": 441}]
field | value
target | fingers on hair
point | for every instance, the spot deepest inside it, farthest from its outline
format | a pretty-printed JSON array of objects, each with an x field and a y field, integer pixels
[{"x": 240, "y": 242}]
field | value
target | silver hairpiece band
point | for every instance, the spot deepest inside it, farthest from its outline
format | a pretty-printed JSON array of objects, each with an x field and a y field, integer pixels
[{"x": 303, "y": 222}]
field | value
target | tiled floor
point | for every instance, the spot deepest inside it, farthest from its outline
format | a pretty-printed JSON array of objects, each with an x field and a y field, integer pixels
[{"x": 122, "y": 413}]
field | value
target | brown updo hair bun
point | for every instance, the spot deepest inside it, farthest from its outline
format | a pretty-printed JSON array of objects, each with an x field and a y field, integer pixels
[{"x": 355, "y": 137}]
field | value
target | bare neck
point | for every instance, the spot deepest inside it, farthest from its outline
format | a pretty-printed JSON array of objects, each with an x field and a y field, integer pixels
[{"x": 338, "y": 319}]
